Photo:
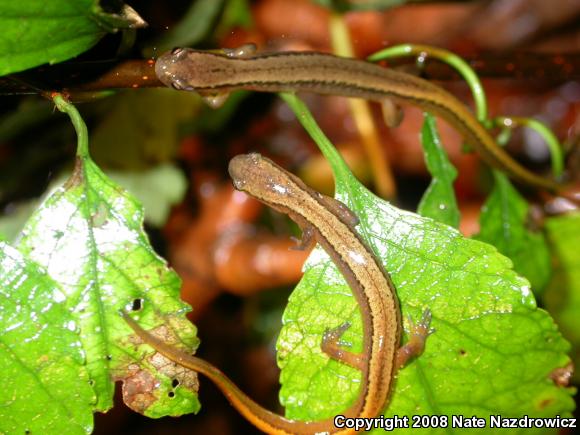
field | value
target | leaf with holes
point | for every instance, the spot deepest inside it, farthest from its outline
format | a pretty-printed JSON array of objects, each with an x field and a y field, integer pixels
[
  {"x": 89, "y": 237},
  {"x": 45, "y": 385}
]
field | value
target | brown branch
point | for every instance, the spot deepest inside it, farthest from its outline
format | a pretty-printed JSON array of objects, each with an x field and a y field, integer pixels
[
  {"x": 76, "y": 78},
  {"x": 543, "y": 67},
  {"x": 129, "y": 74},
  {"x": 72, "y": 77}
]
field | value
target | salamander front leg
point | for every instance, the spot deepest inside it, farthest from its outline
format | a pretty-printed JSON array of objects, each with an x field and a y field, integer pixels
[
  {"x": 332, "y": 346},
  {"x": 244, "y": 51},
  {"x": 216, "y": 100}
]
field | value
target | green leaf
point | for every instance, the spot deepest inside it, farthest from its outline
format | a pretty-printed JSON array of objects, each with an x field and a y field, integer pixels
[
  {"x": 562, "y": 297},
  {"x": 237, "y": 13},
  {"x": 45, "y": 385},
  {"x": 487, "y": 325},
  {"x": 12, "y": 223},
  {"x": 504, "y": 224},
  {"x": 89, "y": 237},
  {"x": 158, "y": 189},
  {"x": 132, "y": 136},
  {"x": 438, "y": 201},
  {"x": 195, "y": 24},
  {"x": 213, "y": 121},
  {"x": 36, "y": 32}
]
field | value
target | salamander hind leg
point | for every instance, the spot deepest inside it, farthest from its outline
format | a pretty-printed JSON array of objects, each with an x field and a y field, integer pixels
[
  {"x": 308, "y": 239},
  {"x": 417, "y": 337},
  {"x": 332, "y": 346},
  {"x": 392, "y": 113},
  {"x": 339, "y": 209}
]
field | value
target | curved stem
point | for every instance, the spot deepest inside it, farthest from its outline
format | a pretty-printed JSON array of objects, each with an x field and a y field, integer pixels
[
  {"x": 466, "y": 72},
  {"x": 548, "y": 135},
  {"x": 65, "y": 106},
  {"x": 478, "y": 93},
  {"x": 309, "y": 123}
]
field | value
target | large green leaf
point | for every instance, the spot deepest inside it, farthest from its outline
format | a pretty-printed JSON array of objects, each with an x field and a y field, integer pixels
[
  {"x": 45, "y": 385},
  {"x": 504, "y": 224},
  {"x": 438, "y": 201},
  {"x": 487, "y": 325},
  {"x": 492, "y": 351},
  {"x": 89, "y": 237},
  {"x": 36, "y": 32},
  {"x": 562, "y": 296}
]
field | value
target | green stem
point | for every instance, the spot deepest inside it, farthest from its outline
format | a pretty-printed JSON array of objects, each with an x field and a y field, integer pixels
[
  {"x": 451, "y": 59},
  {"x": 65, "y": 106},
  {"x": 478, "y": 93},
  {"x": 309, "y": 123},
  {"x": 551, "y": 140}
]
